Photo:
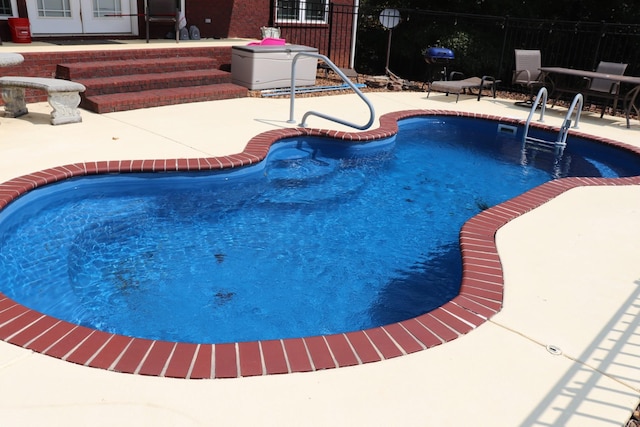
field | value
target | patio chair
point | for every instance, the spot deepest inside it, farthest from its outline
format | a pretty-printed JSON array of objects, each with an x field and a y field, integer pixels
[
  {"x": 605, "y": 89},
  {"x": 598, "y": 88},
  {"x": 164, "y": 11},
  {"x": 527, "y": 72}
]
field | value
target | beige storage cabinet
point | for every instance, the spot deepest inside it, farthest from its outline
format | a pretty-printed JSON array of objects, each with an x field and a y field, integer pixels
[{"x": 269, "y": 67}]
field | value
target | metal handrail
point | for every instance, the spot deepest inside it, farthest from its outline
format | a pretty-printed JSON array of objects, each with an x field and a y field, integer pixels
[
  {"x": 542, "y": 93},
  {"x": 566, "y": 124},
  {"x": 321, "y": 115},
  {"x": 564, "y": 130}
]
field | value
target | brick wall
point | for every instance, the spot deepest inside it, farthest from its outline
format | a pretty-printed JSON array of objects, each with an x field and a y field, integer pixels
[
  {"x": 248, "y": 16},
  {"x": 332, "y": 39},
  {"x": 229, "y": 18},
  {"x": 219, "y": 11}
]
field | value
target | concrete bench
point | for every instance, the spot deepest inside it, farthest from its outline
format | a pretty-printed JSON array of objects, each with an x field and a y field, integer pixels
[{"x": 63, "y": 96}]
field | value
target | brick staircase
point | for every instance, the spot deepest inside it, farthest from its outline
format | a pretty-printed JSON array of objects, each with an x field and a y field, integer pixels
[{"x": 121, "y": 85}]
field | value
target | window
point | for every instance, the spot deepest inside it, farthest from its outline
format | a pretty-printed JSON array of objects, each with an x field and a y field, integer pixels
[
  {"x": 107, "y": 8},
  {"x": 6, "y": 8},
  {"x": 309, "y": 11},
  {"x": 54, "y": 8}
]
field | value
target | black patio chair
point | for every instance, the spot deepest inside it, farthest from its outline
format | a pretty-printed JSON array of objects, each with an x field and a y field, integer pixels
[{"x": 163, "y": 11}]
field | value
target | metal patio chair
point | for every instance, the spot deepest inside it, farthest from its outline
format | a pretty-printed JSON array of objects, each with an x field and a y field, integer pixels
[
  {"x": 605, "y": 89},
  {"x": 527, "y": 72},
  {"x": 163, "y": 11}
]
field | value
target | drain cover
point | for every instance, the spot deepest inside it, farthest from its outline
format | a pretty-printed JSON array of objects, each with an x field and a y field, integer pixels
[{"x": 554, "y": 350}]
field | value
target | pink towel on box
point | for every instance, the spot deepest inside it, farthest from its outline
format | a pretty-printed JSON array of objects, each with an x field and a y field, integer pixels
[{"x": 268, "y": 41}]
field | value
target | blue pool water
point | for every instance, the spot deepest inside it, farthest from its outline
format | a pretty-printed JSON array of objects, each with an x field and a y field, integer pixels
[{"x": 322, "y": 237}]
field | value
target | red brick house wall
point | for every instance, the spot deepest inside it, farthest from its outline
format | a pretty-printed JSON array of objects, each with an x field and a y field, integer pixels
[
  {"x": 218, "y": 11},
  {"x": 243, "y": 19},
  {"x": 332, "y": 39},
  {"x": 229, "y": 18},
  {"x": 247, "y": 16}
]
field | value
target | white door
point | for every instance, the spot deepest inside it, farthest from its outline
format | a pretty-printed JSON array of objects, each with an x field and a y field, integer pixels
[
  {"x": 106, "y": 16},
  {"x": 48, "y": 17}
]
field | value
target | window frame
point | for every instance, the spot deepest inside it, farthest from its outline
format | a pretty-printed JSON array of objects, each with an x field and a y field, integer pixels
[
  {"x": 299, "y": 11},
  {"x": 14, "y": 10}
]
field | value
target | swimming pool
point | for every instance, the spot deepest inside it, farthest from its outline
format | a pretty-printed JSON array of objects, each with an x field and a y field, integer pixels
[{"x": 480, "y": 291}]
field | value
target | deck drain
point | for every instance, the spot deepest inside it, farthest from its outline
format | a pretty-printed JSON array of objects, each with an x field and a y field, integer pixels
[{"x": 554, "y": 350}]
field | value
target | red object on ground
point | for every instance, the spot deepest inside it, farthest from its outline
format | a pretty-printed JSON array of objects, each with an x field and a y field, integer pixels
[{"x": 20, "y": 30}]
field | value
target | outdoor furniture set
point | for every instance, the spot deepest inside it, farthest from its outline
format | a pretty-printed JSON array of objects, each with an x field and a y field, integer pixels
[
  {"x": 608, "y": 82},
  {"x": 605, "y": 83}
]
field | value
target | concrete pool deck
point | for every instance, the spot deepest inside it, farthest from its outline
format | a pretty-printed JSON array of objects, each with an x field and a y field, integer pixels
[{"x": 572, "y": 284}]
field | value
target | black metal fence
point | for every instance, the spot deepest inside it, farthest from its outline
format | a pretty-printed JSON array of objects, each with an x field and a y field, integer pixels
[
  {"x": 483, "y": 45},
  {"x": 332, "y": 34}
]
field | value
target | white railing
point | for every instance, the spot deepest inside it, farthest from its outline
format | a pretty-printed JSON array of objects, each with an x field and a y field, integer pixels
[
  {"x": 541, "y": 99},
  {"x": 542, "y": 94},
  {"x": 564, "y": 129},
  {"x": 321, "y": 115}
]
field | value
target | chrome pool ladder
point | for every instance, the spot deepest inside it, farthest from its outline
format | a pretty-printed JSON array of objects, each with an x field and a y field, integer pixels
[
  {"x": 561, "y": 141},
  {"x": 531, "y": 144}
]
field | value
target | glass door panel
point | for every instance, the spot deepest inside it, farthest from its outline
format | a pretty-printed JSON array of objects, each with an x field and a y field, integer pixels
[
  {"x": 54, "y": 16},
  {"x": 106, "y": 16}
]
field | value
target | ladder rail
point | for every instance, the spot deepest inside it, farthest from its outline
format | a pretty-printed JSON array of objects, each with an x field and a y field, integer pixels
[
  {"x": 556, "y": 147},
  {"x": 541, "y": 99},
  {"x": 564, "y": 130},
  {"x": 542, "y": 93},
  {"x": 321, "y": 115}
]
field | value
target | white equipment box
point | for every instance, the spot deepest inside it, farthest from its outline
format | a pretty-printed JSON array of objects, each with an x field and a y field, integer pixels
[{"x": 269, "y": 67}]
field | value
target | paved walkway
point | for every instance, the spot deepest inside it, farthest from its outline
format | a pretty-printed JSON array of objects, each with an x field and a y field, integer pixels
[{"x": 572, "y": 282}]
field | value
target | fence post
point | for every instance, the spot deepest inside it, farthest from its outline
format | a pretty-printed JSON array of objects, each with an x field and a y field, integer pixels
[
  {"x": 354, "y": 34},
  {"x": 505, "y": 27},
  {"x": 330, "y": 23},
  {"x": 596, "y": 51}
]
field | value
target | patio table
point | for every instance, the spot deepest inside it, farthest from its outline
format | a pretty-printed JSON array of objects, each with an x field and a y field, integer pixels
[{"x": 629, "y": 97}]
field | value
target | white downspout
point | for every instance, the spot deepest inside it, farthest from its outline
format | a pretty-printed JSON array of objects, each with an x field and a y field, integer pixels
[{"x": 354, "y": 30}]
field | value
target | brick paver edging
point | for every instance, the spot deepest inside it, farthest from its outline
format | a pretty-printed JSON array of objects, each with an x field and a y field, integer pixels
[{"x": 480, "y": 297}]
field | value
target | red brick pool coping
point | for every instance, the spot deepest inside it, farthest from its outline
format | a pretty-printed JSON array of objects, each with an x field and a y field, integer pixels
[{"x": 480, "y": 297}]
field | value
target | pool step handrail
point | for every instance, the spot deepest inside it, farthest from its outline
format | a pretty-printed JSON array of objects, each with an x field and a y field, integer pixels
[
  {"x": 564, "y": 129},
  {"x": 541, "y": 99},
  {"x": 321, "y": 115},
  {"x": 542, "y": 95}
]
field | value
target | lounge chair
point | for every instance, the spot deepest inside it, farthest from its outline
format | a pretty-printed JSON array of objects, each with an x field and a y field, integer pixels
[
  {"x": 164, "y": 11},
  {"x": 527, "y": 72},
  {"x": 462, "y": 85}
]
